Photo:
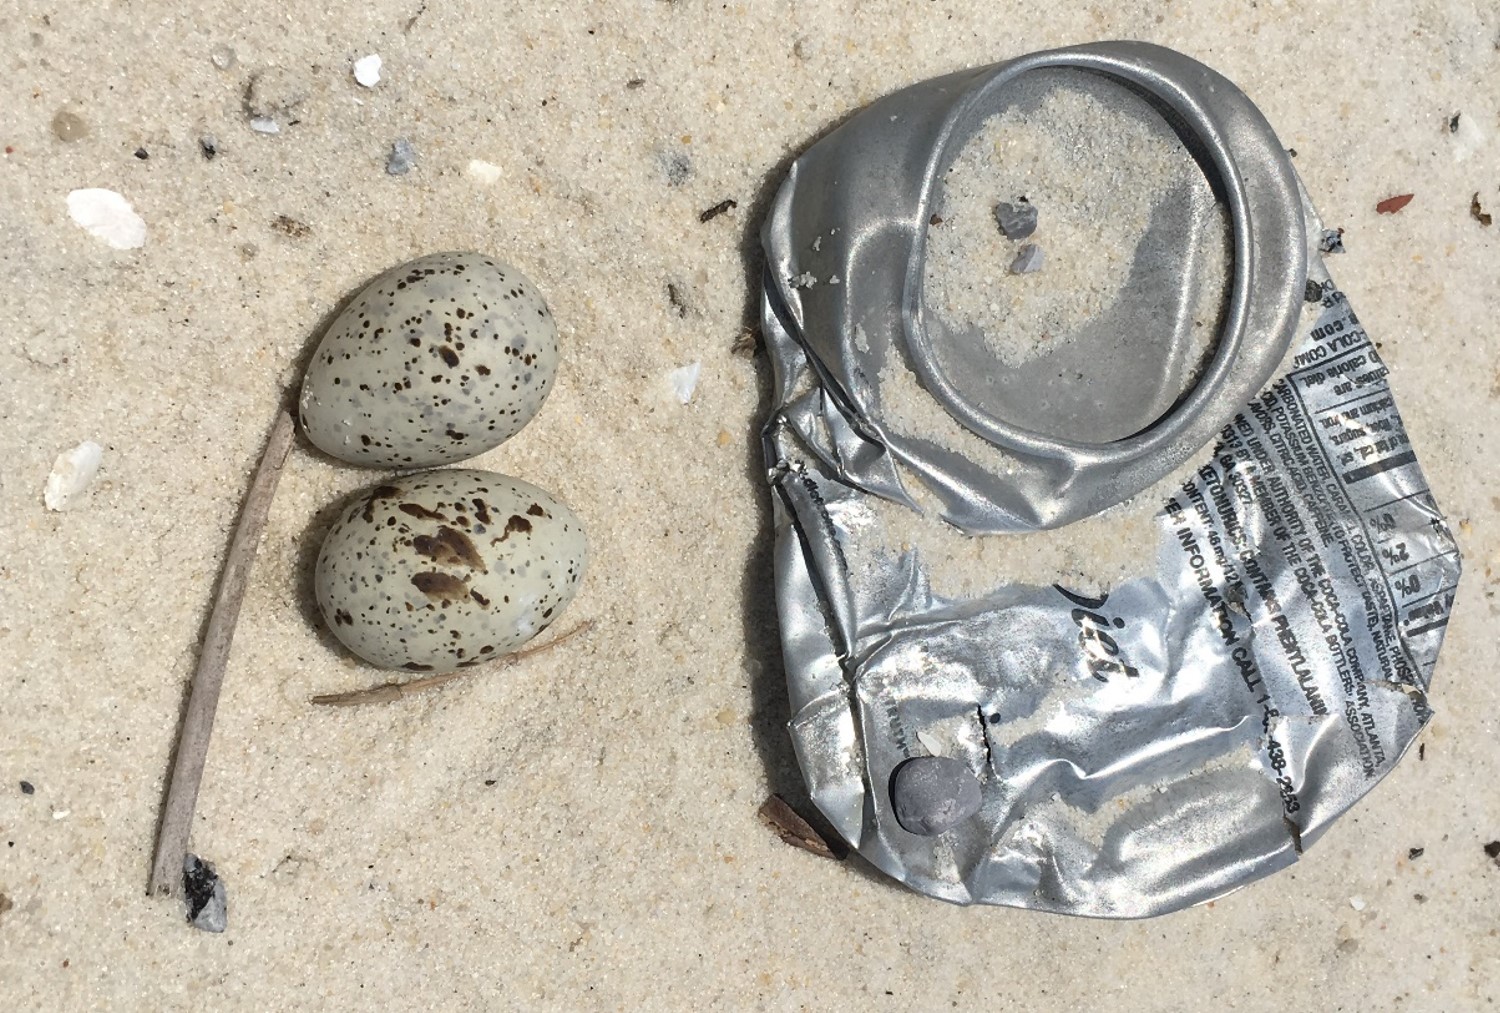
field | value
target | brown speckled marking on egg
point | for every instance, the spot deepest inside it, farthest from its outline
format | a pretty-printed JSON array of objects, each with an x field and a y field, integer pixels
[
  {"x": 435, "y": 361},
  {"x": 443, "y": 569}
]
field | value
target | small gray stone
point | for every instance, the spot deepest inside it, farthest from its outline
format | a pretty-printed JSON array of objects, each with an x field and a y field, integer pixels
[
  {"x": 1028, "y": 259},
  {"x": 1332, "y": 241},
  {"x": 69, "y": 127},
  {"x": 403, "y": 158},
  {"x": 933, "y": 794},
  {"x": 676, "y": 166},
  {"x": 223, "y": 57},
  {"x": 208, "y": 907},
  {"x": 1017, "y": 221}
]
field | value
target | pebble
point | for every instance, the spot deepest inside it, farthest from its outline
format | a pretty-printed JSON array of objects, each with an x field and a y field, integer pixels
[
  {"x": 1332, "y": 241},
  {"x": 208, "y": 907},
  {"x": 402, "y": 159},
  {"x": 209, "y": 145},
  {"x": 223, "y": 57},
  {"x": 1016, "y": 221},
  {"x": 68, "y": 127},
  {"x": 933, "y": 794},
  {"x": 1028, "y": 260}
]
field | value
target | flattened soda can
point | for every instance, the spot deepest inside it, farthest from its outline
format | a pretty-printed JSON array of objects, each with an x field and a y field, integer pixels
[{"x": 1106, "y": 572}]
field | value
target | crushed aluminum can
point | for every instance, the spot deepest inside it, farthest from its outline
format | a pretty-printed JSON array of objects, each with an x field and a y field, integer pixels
[{"x": 1191, "y": 730}]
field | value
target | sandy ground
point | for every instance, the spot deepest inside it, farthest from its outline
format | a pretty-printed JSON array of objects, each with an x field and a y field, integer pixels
[{"x": 581, "y": 833}]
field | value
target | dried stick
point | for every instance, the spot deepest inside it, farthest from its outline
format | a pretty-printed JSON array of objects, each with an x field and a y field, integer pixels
[
  {"x": 388, "y": 692},
  {"x": 208, "y": 679}
]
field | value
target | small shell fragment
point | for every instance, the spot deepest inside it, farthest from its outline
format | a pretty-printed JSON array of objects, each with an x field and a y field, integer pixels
[
  {"x": 484, "y": 172},
  {"x": 684, "y": 381},
  {"x": 1467, "y": 136},
  {"x": 107, "y": 215},
  {"x": 71, "y": 474},
  {"x": 367, "y": 70}
]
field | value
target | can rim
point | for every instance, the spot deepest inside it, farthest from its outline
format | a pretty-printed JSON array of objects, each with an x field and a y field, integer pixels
[{"x": 1169, "y": 78}]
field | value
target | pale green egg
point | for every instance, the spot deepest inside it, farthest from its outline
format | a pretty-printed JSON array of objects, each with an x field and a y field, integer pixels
[
  {"x": 445, "y": 569},
  {"x": 433, "y": 362}
]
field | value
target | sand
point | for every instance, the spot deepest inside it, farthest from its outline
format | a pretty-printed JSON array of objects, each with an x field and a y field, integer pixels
[{"x": 580, "y": 832}]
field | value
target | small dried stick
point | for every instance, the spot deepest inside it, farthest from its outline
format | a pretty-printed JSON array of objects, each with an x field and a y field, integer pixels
[
  {"x": 388, "y": 692},
  {"x": 203, "y": 698}
]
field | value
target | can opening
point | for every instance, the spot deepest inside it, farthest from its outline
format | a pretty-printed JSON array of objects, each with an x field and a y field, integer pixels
[{"x": 1096, "y": 325}]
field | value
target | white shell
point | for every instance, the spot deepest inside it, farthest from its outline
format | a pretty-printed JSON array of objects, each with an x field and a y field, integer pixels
[
  {"x": 72, "y": 473},
  {"x": 367, "y": 70},
  {"x": 107, "y": 215},
  {"x": 444, "y": 569},
  {"x": 435, "y": 361}
]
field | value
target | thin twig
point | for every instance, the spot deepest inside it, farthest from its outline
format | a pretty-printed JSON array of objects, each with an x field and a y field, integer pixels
[
  {"x": 208, "y": 679},
  {"x": 388, "y": 692}
]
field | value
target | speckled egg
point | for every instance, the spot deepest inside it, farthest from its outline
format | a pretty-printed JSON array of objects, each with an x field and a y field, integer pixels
[
  {"x": 433, "y": 362},
  {"x": 444, "y": 569}
]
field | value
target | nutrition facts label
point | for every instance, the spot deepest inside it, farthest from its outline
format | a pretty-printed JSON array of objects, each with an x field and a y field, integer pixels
[
  {"x": 1316, "y": 547},
  {"x": 1340, "y": 386}
]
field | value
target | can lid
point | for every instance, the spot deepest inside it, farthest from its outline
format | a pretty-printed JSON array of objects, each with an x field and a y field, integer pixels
[{"x": 1048, "y": 451}]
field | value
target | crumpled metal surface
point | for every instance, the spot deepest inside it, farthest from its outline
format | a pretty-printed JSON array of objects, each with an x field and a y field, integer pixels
[{"x": 1190, "y": 731}]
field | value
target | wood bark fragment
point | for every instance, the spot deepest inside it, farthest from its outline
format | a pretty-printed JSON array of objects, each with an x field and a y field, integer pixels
[
  {"x": 796, "y": 831},
  {"x": 1478, "y": 213}
]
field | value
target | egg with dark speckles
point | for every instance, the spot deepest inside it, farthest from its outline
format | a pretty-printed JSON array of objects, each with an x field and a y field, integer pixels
[
  {"x": 445, "y": 569},
  {"x": 433, "y": 362}
]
